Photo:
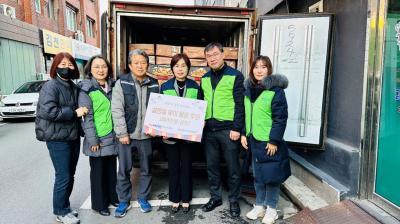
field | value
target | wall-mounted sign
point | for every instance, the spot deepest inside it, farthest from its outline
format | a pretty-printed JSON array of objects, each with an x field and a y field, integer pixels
[
  {"x": 84, "y": 51},
  {"x": 55, "y": 43}
]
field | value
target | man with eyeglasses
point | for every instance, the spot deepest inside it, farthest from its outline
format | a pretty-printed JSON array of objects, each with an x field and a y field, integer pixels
[{"x": 222, "y": 88}]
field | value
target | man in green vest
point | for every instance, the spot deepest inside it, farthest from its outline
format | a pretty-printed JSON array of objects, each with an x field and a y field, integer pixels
[{"x": 222, "y": 88}]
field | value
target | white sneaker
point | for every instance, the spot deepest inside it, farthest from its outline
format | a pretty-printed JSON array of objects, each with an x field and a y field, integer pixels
[
  {"x": 257, "y": 212},
  {"x": 270, "y": 216},
  {"x": 67, "y": 219}
]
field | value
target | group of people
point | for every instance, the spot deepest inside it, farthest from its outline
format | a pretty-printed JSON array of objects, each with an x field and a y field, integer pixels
[{"x": 110, "y": 115}]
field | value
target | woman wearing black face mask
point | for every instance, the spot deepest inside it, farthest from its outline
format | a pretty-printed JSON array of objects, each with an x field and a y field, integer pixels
[{"x": 57, "y": 123}]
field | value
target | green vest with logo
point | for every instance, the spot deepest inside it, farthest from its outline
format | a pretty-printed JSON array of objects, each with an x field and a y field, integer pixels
[
  {"x": 259, "y": 115},
  {"x": 101, "y": 113},
  {"x": 220, "y": 102}
]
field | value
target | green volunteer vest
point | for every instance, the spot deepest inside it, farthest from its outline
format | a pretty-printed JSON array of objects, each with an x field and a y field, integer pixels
[
  {"x": 220, "y": 102},
  {"x": 190, "y": 93},
  {"x": 259, "y": 115},
  {"x": 101, "y": 113}
]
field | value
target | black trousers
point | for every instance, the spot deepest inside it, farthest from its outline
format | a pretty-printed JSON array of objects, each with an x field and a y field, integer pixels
[
  {"x": 214, "y": 143},
  {"x": 103, "y": 178},
  {"x": 180, "y": 171}
]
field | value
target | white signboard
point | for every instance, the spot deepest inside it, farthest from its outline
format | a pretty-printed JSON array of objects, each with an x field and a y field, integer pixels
[
  {"x": 298, "y": 48},
  {"x": 175, "y": 117},
  {"x": 84, "y": 51}
]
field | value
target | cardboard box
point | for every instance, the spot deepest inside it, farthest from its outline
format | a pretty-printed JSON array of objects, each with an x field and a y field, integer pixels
[
  {"x": 231, "y": 63},
  {"x": 148, "y": 48},
  {"x": 163, "y": 60},
  {"x": 167, "y": 50},
  {"x": 231, "y": 53},
  {"x": 194, "y": 52},
  {"x": 198, "y": 62}
]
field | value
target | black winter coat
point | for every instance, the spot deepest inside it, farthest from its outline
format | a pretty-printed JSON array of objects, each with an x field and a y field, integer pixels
[
  {"x": 55, "y": 118},
  {"x": 272, "y": 169}
]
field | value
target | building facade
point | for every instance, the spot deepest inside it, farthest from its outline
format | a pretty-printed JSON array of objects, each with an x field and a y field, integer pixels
[
  {"x": 61, "y": 25},
  {"x": 360, "y": 155}
]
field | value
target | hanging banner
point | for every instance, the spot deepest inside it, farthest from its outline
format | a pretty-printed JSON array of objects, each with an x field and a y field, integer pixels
[
  {"x": 55, "y": 43},
  {"x": 175, "y": 117}
]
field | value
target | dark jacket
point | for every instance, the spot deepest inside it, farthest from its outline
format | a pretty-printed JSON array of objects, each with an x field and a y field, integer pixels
[
  {"x": 238, "y": 120},
  {"x": 276, "y": 168},
  {"x": 107, "y": 143},
  {"x": 56, "y": 119},
  {"x": 129, "y": 104},
  {"x": 171, "y": 85}
]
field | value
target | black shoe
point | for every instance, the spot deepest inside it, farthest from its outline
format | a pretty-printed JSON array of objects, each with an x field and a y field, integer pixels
[
  {"x": 185, "y": 209},
  {"x": 174, "y": 209},
  {"x": 234, "y": 209},
  {"x": 115, "y": 204},
  {"x": 104, "y": 212},
  {"x": 211, "y": 205}
]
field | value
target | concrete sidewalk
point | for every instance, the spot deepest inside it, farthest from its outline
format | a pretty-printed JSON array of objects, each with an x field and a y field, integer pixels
[{"x": 162, "y": 214}]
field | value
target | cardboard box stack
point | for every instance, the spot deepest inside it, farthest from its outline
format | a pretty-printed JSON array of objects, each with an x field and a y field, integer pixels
[{"x": 160, "y": 56}]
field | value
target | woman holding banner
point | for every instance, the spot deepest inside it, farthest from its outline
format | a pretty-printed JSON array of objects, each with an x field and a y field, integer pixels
[{"x": 178, "y": 151}]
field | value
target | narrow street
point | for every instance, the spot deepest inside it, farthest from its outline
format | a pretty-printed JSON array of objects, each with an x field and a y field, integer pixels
[{"x": 27, "y": 181}]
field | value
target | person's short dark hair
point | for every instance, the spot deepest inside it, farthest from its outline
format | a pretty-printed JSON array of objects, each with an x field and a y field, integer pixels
[
  {"x": 178, "y": 57},
  {"x": 266, "y": 61},
  {"x": 88, "y": 66},
  {"x": 212, "y": 45},
  {"x": 57, "y": 60}
]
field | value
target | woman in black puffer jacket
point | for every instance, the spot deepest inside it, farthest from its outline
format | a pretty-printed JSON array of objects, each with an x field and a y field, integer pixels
[{"x": 57, "y": 123}]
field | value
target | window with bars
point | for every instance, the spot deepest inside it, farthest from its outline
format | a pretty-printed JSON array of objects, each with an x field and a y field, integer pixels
[
  {"x": 71, "y": 18},
  {"x": 89, "y": 27}
]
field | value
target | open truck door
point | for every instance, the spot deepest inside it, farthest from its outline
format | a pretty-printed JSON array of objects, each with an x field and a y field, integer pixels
[{"x": 299, "y": 47}]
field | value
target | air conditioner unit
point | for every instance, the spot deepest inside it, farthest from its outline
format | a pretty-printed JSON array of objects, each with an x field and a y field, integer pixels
[
  {"x": 79, "y": 36},
  {"x": 7, "y": 10}
]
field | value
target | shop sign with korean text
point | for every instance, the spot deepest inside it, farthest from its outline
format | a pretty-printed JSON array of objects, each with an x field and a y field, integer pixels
[{"x": 54, "y": 43}]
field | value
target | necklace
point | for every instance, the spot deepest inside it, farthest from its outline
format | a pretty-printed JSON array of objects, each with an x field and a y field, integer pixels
[{"x": 181, "y": 87}]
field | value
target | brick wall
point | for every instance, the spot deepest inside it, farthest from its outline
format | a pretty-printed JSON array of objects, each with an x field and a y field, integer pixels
[
  {"x": 91, "y": 9},
  {"x": 18, "y": 5},
  {"x": 26, "y": 12}
]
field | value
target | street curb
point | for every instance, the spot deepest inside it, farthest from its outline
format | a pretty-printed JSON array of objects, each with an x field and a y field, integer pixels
[{"x": 301, "y": 195}]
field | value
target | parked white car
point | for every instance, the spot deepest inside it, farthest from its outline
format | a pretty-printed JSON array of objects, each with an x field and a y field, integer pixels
[{"x": 22, "y": 102}]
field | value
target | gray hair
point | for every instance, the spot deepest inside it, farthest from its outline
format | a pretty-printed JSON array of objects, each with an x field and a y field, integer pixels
[
  {"x": 137, "y": 52},
  {"x": 212, "y": 45}
]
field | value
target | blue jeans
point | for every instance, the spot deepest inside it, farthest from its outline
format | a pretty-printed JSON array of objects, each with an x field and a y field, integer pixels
[
  {"x": 266, "y": 194},
  {"x": 64, "y": 156}
]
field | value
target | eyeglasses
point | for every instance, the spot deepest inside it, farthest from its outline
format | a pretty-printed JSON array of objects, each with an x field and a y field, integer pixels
[
  {"x": 217, "y": 54},
  {"x": 99, "y": 67}
]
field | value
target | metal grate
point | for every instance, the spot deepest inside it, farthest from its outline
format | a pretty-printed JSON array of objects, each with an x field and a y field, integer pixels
[{"x": 345, "y": 212}]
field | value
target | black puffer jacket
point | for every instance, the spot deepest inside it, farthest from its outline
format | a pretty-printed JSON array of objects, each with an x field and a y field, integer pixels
[{"x": 55, "y": 118}]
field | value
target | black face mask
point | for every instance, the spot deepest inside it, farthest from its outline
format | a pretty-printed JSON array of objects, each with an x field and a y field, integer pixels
[{"x": 66, "y": 73}]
